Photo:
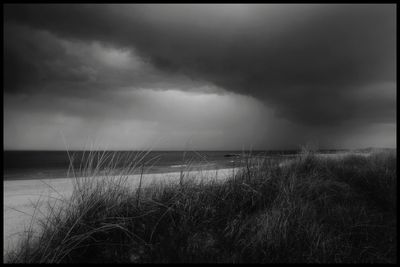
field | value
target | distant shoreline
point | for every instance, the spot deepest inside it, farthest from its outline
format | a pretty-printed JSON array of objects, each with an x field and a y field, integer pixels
[
  {"x": 147, "y": 171},
  {"x": 59, "y": 173}
]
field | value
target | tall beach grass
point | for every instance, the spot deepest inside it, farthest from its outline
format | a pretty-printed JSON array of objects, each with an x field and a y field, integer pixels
[{"x": 313, "y": 210}]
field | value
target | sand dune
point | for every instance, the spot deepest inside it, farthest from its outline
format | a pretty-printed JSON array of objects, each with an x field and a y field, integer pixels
[{"x": 20, "y": 196}]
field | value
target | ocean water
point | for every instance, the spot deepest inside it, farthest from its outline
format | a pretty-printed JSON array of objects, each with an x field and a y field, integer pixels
[{"x": 57, "y": 164}]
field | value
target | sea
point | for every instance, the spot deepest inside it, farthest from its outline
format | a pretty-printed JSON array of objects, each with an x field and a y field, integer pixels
[
  {"x": 61, "y": 164},
  {"x": 23, "y": 165}
]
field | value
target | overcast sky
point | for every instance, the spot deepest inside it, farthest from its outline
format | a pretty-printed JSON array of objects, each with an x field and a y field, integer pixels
[{"x": 205, "y": 77}]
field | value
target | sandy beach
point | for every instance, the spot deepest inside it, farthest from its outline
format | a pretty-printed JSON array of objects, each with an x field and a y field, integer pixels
[{"x": 20, "y": 196}]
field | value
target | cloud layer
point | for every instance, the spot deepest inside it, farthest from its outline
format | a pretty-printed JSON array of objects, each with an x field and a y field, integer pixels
[
  {"x": 305, "y": 60},
  {"x": 319, "y": 67}
]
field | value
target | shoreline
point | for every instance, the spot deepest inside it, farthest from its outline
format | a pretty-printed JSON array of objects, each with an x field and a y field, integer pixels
[
  {"x": 62, "y": 174},
  {"x": 26, "y": 174}
]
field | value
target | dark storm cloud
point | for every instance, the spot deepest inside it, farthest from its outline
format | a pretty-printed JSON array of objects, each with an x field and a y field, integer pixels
[
  {"x": 312, "y": 63},
  {"x": 37, "y": 62},
  {"x": 33, "y": 59}
]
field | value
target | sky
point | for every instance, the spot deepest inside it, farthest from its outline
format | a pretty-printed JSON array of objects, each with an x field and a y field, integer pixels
[{"x": 199, "y": 76}]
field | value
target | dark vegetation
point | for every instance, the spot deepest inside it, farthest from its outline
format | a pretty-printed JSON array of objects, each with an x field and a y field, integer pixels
[{"x": 314, "y": 210}]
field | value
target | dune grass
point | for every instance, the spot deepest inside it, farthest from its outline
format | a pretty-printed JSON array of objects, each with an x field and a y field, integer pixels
[{"x": 314, "y": 210}]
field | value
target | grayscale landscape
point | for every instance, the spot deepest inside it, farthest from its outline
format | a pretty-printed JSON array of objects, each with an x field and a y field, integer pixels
[{"x": 199, "y": 133}]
